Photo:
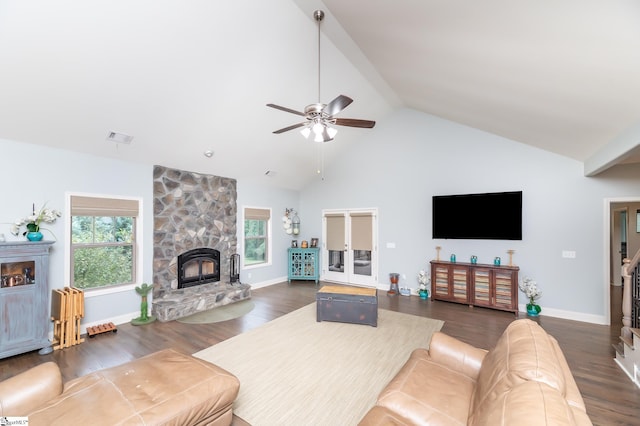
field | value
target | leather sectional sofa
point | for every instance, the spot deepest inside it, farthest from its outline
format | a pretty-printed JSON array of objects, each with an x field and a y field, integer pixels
[
  {"x": 525, "y": 379},
  {"x": 166, "y": 387}
]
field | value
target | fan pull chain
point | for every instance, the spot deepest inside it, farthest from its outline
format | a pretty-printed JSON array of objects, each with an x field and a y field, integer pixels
[{"x": 320, "y": 160}]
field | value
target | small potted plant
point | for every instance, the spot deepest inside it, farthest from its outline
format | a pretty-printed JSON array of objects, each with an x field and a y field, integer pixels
[
  {"x": 33, "y": 222},
  {"x": 530, "y": 288},
  {"x": 423, "y": 284}
]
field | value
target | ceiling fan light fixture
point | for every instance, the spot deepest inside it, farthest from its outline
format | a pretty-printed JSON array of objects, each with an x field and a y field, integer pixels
[
  {"x": 306, "y": 131},
  {"x": 318, "y": 128},
  {"x": 332, "y": 132}
]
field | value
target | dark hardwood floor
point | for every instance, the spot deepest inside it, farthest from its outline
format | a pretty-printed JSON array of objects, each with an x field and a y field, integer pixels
[{"x": 610, "y": 396}]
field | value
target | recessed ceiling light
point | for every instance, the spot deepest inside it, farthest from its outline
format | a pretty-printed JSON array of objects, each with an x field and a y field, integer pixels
[
  {"x": 208, "y": 153},
  {"x": 119, "y": 137}
]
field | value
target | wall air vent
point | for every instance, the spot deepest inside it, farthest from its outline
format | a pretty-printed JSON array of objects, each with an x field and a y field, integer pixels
[{"x": 119, "y": 137}]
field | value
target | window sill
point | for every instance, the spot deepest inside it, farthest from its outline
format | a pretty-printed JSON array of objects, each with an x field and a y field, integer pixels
[
  {"x": 88, "y": 293},
  {"x": 256, "y": 266}
]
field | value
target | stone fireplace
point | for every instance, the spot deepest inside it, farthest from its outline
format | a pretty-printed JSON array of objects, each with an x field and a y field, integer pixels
[{"x": 196, "y": 214}]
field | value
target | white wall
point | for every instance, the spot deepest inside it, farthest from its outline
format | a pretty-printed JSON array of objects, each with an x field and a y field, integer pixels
[
  {"x": 251, "y": 194},
  {"x": 412, "y": 156}
]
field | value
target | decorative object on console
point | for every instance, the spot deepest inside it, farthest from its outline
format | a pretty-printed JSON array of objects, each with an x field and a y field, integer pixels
[
  {"x": 511, "y": 256},
  {"x": 294, "y": 243},
  {"x": 34, "y": 236},
  {"x": 453, "y": 258},
  {"x": 144, "y": 317},
  {"x": 530, "y": 288},
  {"x": 304, "y": 244},
  {"x": 496, "y": 261},
  {"x": 474, "y": 259},
  {"x": 291, "y": 222},
  {"x": 33, "y": 221},
  {"x": 438, "y": 248},
  {"x": 314, "y": 242},
  {"x": 394, "y": 277}
]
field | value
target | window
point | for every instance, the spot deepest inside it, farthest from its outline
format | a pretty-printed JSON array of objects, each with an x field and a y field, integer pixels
[
  {"x": 103, "y": 244},
  {"x": 257, "y": 230}
]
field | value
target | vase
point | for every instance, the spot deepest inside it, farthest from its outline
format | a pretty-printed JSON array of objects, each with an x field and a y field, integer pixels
[
  {"x": 34, "y": 236},
  {"x": 533, "y": 310},
  {"x": 393, "y": 288},
  {"x": 424, "y": 294}
]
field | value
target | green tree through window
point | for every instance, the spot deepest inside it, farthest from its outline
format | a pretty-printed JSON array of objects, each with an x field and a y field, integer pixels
[
  {"x": 256, "y": 236},
  {"x": 102, "y": 251}
]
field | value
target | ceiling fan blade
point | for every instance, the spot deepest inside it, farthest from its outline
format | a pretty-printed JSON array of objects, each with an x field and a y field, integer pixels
[
  {"x": 286, "y": 129},
  {"x": 337, "y": 105},
  {"x": 285, "y": 109},
  {"x": 352, "y": 122}
]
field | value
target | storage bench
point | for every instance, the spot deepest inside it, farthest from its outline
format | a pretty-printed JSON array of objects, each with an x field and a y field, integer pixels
[{"x": 341, "y": 303}]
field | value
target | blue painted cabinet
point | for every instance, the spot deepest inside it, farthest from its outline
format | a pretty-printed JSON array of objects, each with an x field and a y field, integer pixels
[
  {"x": 304, "y": 264},
  {"x": 24, "y": 296}
]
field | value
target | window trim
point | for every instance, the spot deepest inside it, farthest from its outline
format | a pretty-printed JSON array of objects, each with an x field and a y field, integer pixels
[
  {"x": 269, "y": 261},
  {"x": 138, "y": 245}
]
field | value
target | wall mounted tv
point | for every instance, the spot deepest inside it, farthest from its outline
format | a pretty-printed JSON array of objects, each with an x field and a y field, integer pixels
[{"x": 487, "y": 216}]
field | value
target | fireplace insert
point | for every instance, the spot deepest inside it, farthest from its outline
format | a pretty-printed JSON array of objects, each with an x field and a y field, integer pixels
[{"x": 198, "y": 266}]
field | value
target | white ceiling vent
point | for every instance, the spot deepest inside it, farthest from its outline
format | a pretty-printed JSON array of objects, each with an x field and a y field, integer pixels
[{"x": 119, "y": 137}]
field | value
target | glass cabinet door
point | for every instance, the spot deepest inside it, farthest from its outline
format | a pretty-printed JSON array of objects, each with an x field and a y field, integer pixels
[{"x": 13, "y": 274}]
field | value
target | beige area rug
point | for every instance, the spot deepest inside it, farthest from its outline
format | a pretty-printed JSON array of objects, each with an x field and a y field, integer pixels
[
  {"x": 219, "y": 314},
  {"x": 296, "y": 371}
]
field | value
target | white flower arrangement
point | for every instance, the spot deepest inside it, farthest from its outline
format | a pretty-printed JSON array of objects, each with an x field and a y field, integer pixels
[
  {"x": 423, "y": 280},
  {"x": 530, "y": 288},
  {"x": 33, "y": 221}
]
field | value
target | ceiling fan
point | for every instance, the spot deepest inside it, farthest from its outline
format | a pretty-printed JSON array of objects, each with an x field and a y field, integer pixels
[{"x": 319, "y": 116}]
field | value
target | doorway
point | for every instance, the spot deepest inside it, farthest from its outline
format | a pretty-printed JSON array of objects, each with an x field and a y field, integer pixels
[
  {"x": 622, "y": 240},
  {"x": 350, "y": 251},
  {"x": 618, "y": 249}
]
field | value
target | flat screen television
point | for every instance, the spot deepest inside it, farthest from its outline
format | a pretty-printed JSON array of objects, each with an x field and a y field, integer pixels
[{"x": 487, "y": 216}]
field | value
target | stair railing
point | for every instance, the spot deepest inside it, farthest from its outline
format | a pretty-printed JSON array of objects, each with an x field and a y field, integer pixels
[{"x": 630, "y": 295}]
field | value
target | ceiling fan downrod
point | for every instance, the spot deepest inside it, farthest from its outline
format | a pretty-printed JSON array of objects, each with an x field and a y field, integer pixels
[{"x": 318, "y": 16}]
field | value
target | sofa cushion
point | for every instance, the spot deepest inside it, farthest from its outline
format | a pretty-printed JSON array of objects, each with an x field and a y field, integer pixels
[
  {"x": 426, "y": 392},
  {"x": 28, "y": 390},
  {"x": 523, "y": 353},
  {"x": 166, "y": 387},
  {"x": 532, "y": 403}
]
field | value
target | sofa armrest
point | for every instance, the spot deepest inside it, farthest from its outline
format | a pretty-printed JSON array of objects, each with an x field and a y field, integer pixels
[
  {"x": 26, "y": 391},
  {"x": 456, "y": 355}
]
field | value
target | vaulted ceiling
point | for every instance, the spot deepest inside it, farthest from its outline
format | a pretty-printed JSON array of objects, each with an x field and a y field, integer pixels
[{"x": 184, "y": 77}]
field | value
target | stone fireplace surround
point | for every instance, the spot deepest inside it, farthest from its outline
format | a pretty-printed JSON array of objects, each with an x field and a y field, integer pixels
[{"x": 191, "y": 211}]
